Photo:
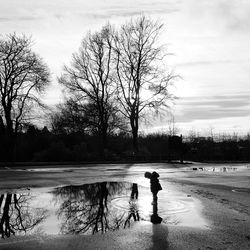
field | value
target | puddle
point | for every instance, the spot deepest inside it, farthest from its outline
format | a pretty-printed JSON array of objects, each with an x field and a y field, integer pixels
[
  {"x": 222, "y": 168},
  {"x": 92, "y": 208},
  {"x": 66, "y": 169},
  {"x": 241, "y": 190}
]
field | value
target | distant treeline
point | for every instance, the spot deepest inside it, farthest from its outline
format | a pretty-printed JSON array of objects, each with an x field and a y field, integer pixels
[
  {"x": 42, "y": 145},
  {"x": 220, "y": 148}
]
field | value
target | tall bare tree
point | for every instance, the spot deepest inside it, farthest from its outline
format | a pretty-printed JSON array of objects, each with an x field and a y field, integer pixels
[
  {"x": 23, "y": 75},
  {"x": 142, "y": 79},
  {"x": 172, "y": 129},
  {"x": 89, "y": 78}
]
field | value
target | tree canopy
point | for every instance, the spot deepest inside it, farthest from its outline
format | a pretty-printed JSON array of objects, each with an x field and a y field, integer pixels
[
  {"x": 23, "y": 75},
  {"x": 141, "y": 75}
]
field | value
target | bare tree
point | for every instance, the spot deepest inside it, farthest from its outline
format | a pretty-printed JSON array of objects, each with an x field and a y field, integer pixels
[
  {"x": 90, "y": 77},
  {"x": 23, "y": 75},
  {"x": 142, "y": 79},
  {"x": 172, "y": 129}
]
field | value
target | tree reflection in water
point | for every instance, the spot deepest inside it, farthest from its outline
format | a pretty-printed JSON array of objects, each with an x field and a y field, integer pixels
[
  {"x": 17, "y": 216},
  {"x": 88, "y": 208}
]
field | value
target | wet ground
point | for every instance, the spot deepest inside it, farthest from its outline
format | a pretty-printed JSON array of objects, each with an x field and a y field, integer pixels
[
  {"x": 93, "y": 208},
  {"x": 203, "y": 205}
]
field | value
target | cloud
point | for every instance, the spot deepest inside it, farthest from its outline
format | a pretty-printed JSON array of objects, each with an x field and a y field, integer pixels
[
  {"x": 19, "y": 18},
  {"x": 124, "y": 9},
  {"x": 63, "y": 10},
  {"x": 236, "y": 14},
  {"x": 214, "y": 107},
  {"x": 195, "y": 63},
  {"x": 232, "y": 15}
]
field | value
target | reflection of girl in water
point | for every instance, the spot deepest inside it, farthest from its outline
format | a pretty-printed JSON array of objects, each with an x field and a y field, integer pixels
[{"x": 133, "y": 206}]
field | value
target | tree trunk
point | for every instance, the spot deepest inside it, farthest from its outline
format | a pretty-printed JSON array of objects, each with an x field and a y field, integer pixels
[
  {"x": 9, "y": 123},
  {"x": 135, "y": 142},
  {"x": 104, "y": 142},
  {"x": 134, "y": 127},
  {"x": 11, "y": 137},
  {"x": 103, "y": 135}
]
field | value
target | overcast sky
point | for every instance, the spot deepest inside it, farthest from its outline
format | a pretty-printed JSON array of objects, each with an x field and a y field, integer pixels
[{"x": 209, "y": 39}]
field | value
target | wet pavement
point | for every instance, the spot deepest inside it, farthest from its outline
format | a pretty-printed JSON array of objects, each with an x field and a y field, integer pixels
[
  {"x": 107, "y": 202},
  {"x": 112, "y": 205}
]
